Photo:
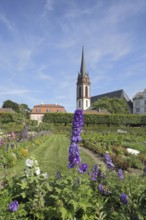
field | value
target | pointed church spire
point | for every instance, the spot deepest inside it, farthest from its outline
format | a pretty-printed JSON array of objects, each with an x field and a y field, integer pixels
[{"x": 83, "y": 65}]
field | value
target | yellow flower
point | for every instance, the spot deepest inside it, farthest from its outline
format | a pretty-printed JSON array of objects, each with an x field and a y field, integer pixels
[{"x": 24, "y": 152}]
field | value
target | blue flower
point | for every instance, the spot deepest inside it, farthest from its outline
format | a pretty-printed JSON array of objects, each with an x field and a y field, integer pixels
[
  {"x": 95, "y": 172},
  {"x": 124, "y": 198},
  {"x": 74, "y": 151},
  {"x": 121, "y": 174},
  {"x": 82, "y": 168},
  {"x": 144, "y": 171},
  {"x": 13, "y": 206},
  {"x": 103, "y": 190},
  {"x": 108, "y": 161},
  {"x": 107, "y": 157}
]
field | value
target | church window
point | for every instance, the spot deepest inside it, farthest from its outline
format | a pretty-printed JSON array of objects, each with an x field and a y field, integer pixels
[
  {"x": 79, "y": 91},
  {"x": 79, "y": 103},
  {"x": 86, "y": 91},
  {"x": 86, "y": 103}
]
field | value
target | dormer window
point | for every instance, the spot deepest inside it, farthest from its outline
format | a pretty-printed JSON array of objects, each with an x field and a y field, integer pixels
[{"x": 38, "y": 110}]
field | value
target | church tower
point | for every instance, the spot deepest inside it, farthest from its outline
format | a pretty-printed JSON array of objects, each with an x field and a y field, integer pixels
[{"x": 83, "y": 86}]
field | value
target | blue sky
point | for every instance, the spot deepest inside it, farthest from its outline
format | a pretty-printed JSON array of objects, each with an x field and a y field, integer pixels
[{"x": 41, "y": 43}]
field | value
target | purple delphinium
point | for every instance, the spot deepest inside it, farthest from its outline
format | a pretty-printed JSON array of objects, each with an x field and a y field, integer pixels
[
  {"x": 121, "y": 174},
  {"x": 25, "y": 133},
  {"x": 144, "y": 172},
  {"x": 13, "y": 206},
  {"x": 82, "y": 168},
  {"x": 124, "y": 198},
  {"x": 108, "y": 161},
  {"x": 74, "y": 151},
  {"x": 102, "y": 190},
  {"x": 95, "y": 172},
  {"x": 1, "y": 142}
]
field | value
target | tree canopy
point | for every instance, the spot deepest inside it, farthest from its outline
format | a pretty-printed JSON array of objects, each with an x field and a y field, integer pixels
[
  {"x": 112, "y": 105},
  {"x": 19, "y": 108},
  {"x": 11, "y": 104}
]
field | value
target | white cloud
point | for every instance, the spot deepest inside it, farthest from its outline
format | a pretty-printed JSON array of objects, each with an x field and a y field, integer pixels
[
  {"x": 24, "y": 58},
  {"x": 44, "y": 76},
  {"x": 16, "y": 92},
  {"x": 49, "y": 6},
  {"x": 7, "y": 22}
]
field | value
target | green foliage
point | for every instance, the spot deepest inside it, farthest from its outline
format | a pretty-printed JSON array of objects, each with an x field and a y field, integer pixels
[
  {"x": 58, "y": 118},
  {"x": 103, "y": 140},
  {"x": 11, "y": 104},
  {"x": 112, "y": 105},
  {"x": 6, "y": 117},
  {"x": 73, "y": 196},
  {"x": 119, "y": 119}
]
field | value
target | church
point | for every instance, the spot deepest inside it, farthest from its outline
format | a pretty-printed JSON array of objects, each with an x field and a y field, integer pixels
[{"x": 83, "y": 98}]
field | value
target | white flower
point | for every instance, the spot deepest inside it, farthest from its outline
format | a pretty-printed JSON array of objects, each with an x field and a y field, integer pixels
[
  {"x": 27, "y": 171},
  {"x": 37, "y": 170},
  {"x": 121, "y": 131},
  {"x": 29, "y": 163},
  {"x": 45, "y": 175},
  {"x": 133, "y": 151}
]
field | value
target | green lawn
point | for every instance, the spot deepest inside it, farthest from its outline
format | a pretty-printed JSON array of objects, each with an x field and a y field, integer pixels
[{"x": 52, "y": 155}]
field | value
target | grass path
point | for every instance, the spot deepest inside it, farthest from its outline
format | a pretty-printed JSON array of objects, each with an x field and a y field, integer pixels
[{"x": 52, "y": 155}]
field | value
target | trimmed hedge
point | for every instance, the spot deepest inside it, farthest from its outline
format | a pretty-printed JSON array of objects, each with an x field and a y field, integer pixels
[{"x": 129, "y": 119}]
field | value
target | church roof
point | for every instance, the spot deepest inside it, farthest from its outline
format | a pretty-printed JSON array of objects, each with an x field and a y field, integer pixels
[
  {"x": 115, "y": 94},
  {"x": 83, "y": 65}
]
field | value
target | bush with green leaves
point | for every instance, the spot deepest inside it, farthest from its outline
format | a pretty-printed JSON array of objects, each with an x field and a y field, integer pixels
[{"x": 105, "y": 192}]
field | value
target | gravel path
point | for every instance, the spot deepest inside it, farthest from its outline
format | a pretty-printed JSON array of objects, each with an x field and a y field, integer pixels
[{"x": 92, "y": 155}]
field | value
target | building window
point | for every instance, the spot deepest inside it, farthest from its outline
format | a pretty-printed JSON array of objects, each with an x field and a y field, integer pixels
[
  {"x": 48, "y": 110},
  {"x": 79, "y": 103},
  {"x": 79, "y": 91},
  {"x": 38, "y": 110},
  {"x": 144, "y": 109},
  {"x": 144, "y": 102},
  {"x": 86, "y": 103},
  {"x": 137, "y": 110},
  {"x": 137, "y": 103},
  {"x": 86, "y": 91}
]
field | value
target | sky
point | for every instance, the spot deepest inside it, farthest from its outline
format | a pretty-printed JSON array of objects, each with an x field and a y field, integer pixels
[{"x": 41, "y": 44}]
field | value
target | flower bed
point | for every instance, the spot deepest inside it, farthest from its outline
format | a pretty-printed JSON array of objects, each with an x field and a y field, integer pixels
[{"x": 100, "y": 193}]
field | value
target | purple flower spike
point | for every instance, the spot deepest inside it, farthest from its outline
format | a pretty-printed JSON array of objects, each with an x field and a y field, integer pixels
[
  {"x": 124, "y": 198},
  {"x": 102, "y": 190},
  {"x": 108, "y": 161},
  {"x": 107, "y": 157},
  {"x": 82, "y": 168},
  {"x": 13, "y": 206},
  {"x": 74, "y": 151},
  {"x": 121, "y": 174}
]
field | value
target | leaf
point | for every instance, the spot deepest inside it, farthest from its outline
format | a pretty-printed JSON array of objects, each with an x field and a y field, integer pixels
[{"x": 23, "y": 194}]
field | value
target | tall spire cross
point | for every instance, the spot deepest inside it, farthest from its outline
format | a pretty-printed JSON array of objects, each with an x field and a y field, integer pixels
[{"x": 83, "y": 65}]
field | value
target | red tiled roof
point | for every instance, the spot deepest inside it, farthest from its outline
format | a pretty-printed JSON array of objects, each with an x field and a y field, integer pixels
[{"x": 44, "y": 108}]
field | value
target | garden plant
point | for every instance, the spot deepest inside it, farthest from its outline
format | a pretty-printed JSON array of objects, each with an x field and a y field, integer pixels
[{"x": 106, "y": 191}]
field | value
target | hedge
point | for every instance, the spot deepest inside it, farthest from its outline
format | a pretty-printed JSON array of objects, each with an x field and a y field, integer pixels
[{"x": 129, "y": 119}]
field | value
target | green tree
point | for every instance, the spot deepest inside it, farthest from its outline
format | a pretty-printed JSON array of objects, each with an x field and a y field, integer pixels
[
  {"x": 24, "y": 110},
  {"x": 11, "y": 104},
  {"x": 112, "y": 105}
]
